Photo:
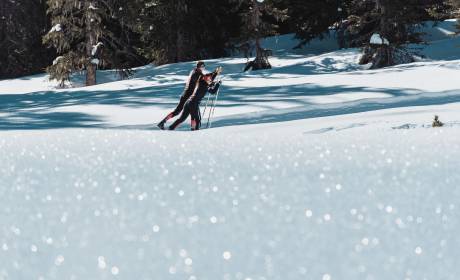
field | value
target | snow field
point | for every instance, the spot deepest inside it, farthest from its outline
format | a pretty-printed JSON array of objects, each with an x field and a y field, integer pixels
[
  {"x": 316, "y": 169},
  {"x": 356, "y": 203}
]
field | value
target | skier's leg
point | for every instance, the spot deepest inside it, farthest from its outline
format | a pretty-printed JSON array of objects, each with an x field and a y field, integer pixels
[
  {"x": 199, "y": 117},
  {"x": 195, "y": 115},
  {"x": 180, "y": 106},
  {"x": 161, "y": 124},
  {"x": 183, "y": 116},
  {"x": 174, "y": 113}
]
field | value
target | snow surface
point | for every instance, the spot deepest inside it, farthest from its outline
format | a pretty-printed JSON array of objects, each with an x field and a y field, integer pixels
[
  {"x": 57, "y": 59},
  {"x": 377, "y": 39},
  {"x": 315, "y": 169},
  {"x": 56, "y": 28},
  {"x": 96, "y": 48}
]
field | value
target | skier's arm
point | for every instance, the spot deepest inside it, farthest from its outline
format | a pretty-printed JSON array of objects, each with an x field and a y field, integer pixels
[
  {"x": 214, "y": 87},
  {"x": 216, "y": 72}
]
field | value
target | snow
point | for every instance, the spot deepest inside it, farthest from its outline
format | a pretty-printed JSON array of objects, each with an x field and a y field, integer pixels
[
  {"x": 316, "y": 169},
  {"x": 56, "y": 28},
  {"x": 56, "y": 60},
  {"x": 377, "y": 39},
  {"x": 96, "y": 48}
]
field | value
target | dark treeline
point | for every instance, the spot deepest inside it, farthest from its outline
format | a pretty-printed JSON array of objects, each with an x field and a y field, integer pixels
[{"x": 65, "y": 36}]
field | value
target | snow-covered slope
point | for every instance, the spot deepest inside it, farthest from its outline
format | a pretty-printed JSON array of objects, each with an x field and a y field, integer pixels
[
  {"x": 300, "y": 81},
  {"x": 315, "y": 169}
]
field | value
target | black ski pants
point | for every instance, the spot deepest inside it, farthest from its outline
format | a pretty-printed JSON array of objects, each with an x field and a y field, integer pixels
[
  {"x": 179, "y": 107},
  {"x": 190, "y": 108}
]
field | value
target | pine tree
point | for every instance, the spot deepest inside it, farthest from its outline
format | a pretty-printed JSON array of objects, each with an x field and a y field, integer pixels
[
  {"x": 122, "y": 45},
  {"x": 88, "y": 34},
  {"x": 358, "y": 21},
  {"x": 22, "y": 23},
  {"x": 255, "y": 27},
  {"x": 312, "y": 19},
  {"x": 385, "y": 27},
  {"x": 455, "y": 11},
  {"x": 162, "y": 26},
  {"x": 215, "y": 25},
  {"x": 75, "y": 35},
  {"x": 175, "y": 31}
]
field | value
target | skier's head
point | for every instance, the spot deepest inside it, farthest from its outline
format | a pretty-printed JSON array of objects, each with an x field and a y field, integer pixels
[{"x": 200, "y": 65}]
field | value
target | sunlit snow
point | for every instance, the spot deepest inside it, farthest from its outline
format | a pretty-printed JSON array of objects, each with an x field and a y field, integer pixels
[{"x": 315, "y": 169}]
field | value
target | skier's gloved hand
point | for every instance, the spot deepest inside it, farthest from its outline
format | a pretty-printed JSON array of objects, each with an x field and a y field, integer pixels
[{"x": 214, "y": 87}]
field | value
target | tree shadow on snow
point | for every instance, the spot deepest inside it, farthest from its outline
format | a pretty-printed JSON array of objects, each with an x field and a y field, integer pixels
[
  {"x": 38, "y": 110},
  {"x": 47, "y": 110},
  {"x": 335, "y": 109}
]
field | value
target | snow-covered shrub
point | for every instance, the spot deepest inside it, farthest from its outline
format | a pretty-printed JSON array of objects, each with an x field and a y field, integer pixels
[
  {"x": 381, "y": 53},
  {"x": 61, "y": 69}
]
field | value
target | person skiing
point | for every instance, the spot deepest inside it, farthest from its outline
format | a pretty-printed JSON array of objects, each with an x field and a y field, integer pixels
[
  {"x": 195, "y": 74},
  {"x": 192, "y": 105}
]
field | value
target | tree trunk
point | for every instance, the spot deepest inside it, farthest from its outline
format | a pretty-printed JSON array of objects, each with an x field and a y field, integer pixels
[
  {"x": 261, "y": 60},
  {"x": 91, "y": 40},
  {"x": 380, "y": 55},
  {"x": 90, "y": 75}
]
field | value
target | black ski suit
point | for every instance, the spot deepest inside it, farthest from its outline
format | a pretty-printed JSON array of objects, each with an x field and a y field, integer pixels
[
  {"x": 195, "y": 74},
  {"x": 192, "y": 105}
]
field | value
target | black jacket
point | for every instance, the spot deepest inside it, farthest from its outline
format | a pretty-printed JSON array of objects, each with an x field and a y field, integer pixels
[
  {"x": 195, "y": 74},
  {"x": 202, "y": 87}
]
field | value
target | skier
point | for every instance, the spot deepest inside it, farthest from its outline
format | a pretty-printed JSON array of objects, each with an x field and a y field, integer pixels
[
  {"x": 195, "y": 74},
  {"x": 192, "y": 105}
]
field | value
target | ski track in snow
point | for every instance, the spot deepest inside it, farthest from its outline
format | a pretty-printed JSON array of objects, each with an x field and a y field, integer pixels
[{"x": 316, "y": 169}]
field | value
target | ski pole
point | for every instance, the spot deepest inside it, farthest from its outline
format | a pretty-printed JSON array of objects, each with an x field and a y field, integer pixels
[
  {"x": 213, "y": 108},
  {"x": 210, "y": 110},
  {"x": 206, "y": 106}
]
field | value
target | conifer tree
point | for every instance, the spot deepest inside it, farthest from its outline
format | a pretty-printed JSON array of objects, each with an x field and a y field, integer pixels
[
  {"x": 162, "y": 26},
  {"x": 184, "y": 30},
  {"x": 77, "y": 28},
  {"x": 22, "y": 23},
  {"x": 455, "y": 11},
  {"x": 385, "y": 27},
  {"x": 122, "y": 44},
  {"x": 311, "y": 19},
  {"x": 88, "y": 34},
  {"x": 255, "y": 27}
]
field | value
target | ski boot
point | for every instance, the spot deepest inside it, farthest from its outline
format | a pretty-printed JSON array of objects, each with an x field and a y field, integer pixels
[{"x": 161, "y": 125}]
